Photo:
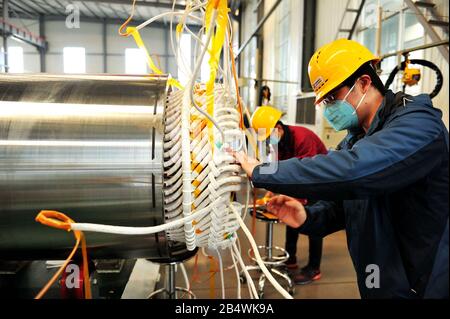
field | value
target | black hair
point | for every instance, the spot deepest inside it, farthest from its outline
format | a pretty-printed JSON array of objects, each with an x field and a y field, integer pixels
[
  {"x": 286, "y": 143},
  {"x": 369, "y": 69},
  {"x": 265, "y": 87}
]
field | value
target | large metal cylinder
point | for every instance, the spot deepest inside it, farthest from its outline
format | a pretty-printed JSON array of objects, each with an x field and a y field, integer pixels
[{"x": 90, "y": 147}]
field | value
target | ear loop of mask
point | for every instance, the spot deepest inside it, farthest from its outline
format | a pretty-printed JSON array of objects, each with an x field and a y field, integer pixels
[{"x": 360, "y": 101}]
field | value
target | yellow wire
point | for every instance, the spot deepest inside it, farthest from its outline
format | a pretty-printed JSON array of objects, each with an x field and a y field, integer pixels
[{"x": 126, "y": 33}]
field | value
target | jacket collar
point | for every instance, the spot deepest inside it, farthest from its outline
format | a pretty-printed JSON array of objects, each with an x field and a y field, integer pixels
[{"x": 388, "y": 106}]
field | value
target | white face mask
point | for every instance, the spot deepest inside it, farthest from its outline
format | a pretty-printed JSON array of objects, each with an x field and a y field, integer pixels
[
  {"x": 274, "y": 139},
  {"x": 341, "y": 114}
]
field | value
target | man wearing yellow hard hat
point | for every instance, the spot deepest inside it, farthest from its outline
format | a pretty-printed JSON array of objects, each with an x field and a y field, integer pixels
[
  {"x": 292, "y": 142},
  {"x": 386, "y": 185}
]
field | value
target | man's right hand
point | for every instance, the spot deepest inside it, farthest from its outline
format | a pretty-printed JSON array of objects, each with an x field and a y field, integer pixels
[{"x": 289, "y": 210}]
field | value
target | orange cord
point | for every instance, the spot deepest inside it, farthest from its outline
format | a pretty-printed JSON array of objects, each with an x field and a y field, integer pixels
[
  {"x": 233, "y": 67},
  {"x": 195, "y": 275},
  {"x": 126, "y": 33},
  {"x": 60, "y": 221},
  {"x": 212, "y": 278}
]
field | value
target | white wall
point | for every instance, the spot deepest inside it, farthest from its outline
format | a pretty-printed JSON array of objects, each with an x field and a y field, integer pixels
[
  {"x": 328, "y": 18},
  {"x": 89, "y": 36},
  {"x": 329, "y": 15},
  {"x": 272, "y": 62},
  {"x": 441, "y": 101}
]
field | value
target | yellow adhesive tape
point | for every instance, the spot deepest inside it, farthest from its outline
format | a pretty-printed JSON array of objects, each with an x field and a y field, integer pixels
[
  {"x": 140, "y": 43},
  {"x": 199, "y": 169},
  {"x": 215, "y": 49}
]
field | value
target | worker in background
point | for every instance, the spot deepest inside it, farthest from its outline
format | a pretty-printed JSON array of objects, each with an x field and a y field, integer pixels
[
  {"x": 292, "y": 142},
  {"x": 264, "y": 96},
  {"x": 387, "y": 185},
  {"x": 264, "y": 100}
]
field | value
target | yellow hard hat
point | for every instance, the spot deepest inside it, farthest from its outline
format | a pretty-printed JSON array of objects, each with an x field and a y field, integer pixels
[
  {"x": 335, "y": 62},
  {"x": 264, "y": 120}
]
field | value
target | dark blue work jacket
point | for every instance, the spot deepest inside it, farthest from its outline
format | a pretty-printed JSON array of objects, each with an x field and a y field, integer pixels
[{"x": 388, "y": 188}]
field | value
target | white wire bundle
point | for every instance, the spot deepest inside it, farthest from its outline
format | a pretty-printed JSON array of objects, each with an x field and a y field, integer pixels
[{"x": 213, "y": 172}]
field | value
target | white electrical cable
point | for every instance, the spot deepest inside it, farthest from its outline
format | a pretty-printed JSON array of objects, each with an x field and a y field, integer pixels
[
  {"x": 238, "y": 277},
  {"x": 250, "y": 283},
  {"x": 258, "y": 258},
  {"x": 123, "y": 230},
  {"x": 186, "y": 279},
  {"x": 222, "y": 281},
  {"x": 164, "y": 14}
]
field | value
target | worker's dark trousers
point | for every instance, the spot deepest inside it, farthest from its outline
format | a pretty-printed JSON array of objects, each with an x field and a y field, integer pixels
[{"x": 315, "y": 247}]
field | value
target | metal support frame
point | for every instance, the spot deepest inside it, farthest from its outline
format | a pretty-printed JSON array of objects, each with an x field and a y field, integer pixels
[
  {"x": 42, "y": 50},
  {"x": 8, "y": 29},
  {"x": 143, "y": 4},
  {"x": 269, "y": 80},
  {"x": 355, "y": 21},
  {"x": 269, "y": 240},
  {"x": 358, "y": 14},
  {"x": 259, "y": 52},
  {"x": 420, "y": 47},
  {"x": 308, "y": 41},
  {"x": 258, "y": 27},
  {"x": 171, "y": 291},
  {"x": 428, "y": 28},
  {"x": 105, "y": 46},
  {"x": 118, "y": 21},
  {"x": 274, "y": 259},
  {"x": 241, "y": 31},
  {"x": 379, "y": 30},
  {"x": 5, "y": 36},
  {"x": 166, "y": 49}
]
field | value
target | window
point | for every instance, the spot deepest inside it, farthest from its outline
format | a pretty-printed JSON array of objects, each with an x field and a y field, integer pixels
[
  {"x": 248, "y": 56},
  {"x": 400, "y": 30},
  {"x": 135, "y": 62},
  {"x": 15, "y": 59},
  {"x": 184, "y": 66},
  {"x": 281, "y": 90},
  {"x": 74, "y": 60}
]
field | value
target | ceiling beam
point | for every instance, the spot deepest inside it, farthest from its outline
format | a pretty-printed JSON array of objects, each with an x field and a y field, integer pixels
[
  {"x": 152, "y": 4},
  {"x": 118, "y": 21},
  {"x": 23, "y": 9},
  {"x": 90, "y": 11}
]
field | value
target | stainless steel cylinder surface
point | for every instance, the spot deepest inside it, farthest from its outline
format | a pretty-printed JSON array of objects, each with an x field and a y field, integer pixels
[{"x": 87, "y": 146}]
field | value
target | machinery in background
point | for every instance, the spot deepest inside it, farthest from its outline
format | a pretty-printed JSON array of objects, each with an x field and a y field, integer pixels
[
  {"x": 103, "y": 149},
  {"x": 411, "y": 76}
]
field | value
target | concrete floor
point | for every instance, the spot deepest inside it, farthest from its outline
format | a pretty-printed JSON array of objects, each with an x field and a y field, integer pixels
[{"x": 338, "y": 276}]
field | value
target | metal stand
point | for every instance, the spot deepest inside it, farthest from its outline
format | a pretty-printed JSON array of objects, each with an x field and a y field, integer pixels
[
  {"x": 171, "y": 291},
  {"x": 273, "y": 263}
]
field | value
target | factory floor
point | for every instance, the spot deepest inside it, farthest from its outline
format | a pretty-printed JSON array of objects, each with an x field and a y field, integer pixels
[{"x": 338, "y": 275}]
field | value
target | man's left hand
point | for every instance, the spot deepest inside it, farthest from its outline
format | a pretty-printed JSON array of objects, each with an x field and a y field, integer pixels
[{"x": 248, "y": 164}]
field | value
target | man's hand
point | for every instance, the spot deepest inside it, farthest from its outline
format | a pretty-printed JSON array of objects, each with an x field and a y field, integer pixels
[
  {"x": 289, "y": 210},
  {"x": 269, "y": 194},
  {"x": 248, "y": 164},
  {"x": 263, "y": 201}
]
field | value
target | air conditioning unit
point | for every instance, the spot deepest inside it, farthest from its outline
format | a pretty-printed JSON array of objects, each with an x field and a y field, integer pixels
[{"x": 311, "y": 116}]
